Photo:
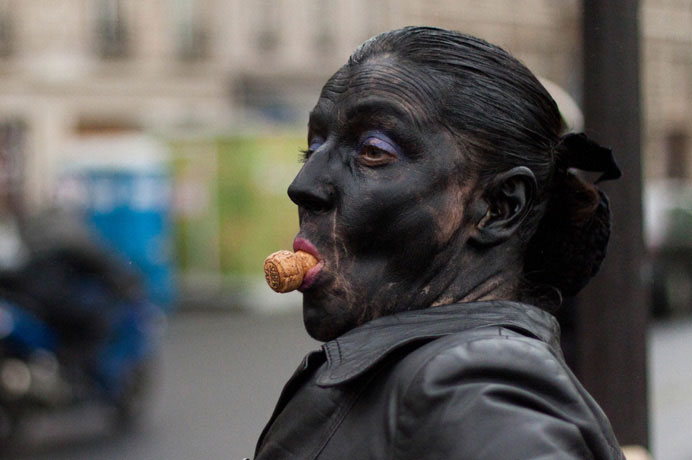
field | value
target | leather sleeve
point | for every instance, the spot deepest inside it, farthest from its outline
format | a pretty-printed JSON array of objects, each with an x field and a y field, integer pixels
[{"x": 495, "y": 398}]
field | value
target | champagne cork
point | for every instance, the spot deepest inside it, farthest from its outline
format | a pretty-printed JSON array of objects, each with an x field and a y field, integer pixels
[{"x": 284, "y": 270}]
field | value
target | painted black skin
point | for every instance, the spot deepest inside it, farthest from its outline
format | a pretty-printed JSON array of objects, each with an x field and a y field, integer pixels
[{"x": 396, "y": 210}]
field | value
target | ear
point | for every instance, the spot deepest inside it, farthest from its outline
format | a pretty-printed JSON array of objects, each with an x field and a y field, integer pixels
[{"x": 508, "y": 200}]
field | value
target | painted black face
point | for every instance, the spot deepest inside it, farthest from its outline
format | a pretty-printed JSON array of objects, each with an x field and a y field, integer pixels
[{"x": 382, "y": 198}]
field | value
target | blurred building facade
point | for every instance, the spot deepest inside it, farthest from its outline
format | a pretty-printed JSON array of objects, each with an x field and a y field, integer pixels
[{"x": 70, "y": 68}]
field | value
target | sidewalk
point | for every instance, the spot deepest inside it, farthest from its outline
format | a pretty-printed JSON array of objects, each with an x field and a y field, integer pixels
[{"x": 670, "y": 390}]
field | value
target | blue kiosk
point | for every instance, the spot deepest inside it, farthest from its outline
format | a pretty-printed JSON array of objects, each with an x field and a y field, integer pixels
[{"x": 123, "y": 185}]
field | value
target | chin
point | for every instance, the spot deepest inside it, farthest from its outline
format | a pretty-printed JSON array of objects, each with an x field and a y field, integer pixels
[
  {"x": 317, "y": 332},
  {"x": 324, "y": 325},
  {"x": 318, "y": 329}
]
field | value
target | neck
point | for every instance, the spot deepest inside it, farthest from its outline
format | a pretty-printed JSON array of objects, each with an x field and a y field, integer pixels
[{"x": 490, "y": 277}]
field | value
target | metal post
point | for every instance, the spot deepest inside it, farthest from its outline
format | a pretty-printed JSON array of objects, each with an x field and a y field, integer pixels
[{"x": 612, "y": 312}]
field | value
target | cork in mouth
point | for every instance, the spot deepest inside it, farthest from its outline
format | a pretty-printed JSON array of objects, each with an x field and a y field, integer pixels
[{"x": 302, "y": 244}]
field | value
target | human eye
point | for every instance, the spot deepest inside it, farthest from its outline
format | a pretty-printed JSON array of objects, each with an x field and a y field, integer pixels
[
  {"x": 313, "y": 145},
  {"x": 377, "y": 149}
]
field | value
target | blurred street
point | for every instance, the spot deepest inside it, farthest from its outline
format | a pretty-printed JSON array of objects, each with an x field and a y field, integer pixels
[{"x": 221, "y": 374}]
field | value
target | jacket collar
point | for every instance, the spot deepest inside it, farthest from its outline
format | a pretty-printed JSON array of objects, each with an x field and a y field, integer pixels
[{"x": 361, "y": 348}]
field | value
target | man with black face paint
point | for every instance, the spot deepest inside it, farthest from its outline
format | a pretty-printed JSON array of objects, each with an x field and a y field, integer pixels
[{"x": 436, "y": 197}]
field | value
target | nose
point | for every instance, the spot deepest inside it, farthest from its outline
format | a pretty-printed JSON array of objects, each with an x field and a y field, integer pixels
[{"x": 312, "y": 189}]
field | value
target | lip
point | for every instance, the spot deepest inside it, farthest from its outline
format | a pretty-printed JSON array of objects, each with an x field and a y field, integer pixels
[{"x": 302, "y": 244}]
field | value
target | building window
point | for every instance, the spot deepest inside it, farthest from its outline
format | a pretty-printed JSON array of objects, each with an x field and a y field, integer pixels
[
  {"x": 191, "y": 39},
  {"x": 268, "y": 25},
  {"x": 677, "y": 141},
  {"x": 111, "y": 29},
  {"x": 6, "y": 29},
  {"x": 12, "y": 154}
]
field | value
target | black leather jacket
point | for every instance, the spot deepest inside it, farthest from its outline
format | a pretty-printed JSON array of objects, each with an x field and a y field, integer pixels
[{"x": 482, "y": 380}]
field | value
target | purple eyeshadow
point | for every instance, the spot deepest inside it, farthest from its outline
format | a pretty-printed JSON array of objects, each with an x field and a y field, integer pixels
[
  {"x": 381, "y": 141},
  {"x": 315, "y": 144}
]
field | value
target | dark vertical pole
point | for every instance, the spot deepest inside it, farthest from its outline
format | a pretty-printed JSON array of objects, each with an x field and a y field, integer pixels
[{"x": 612, "y": 311}]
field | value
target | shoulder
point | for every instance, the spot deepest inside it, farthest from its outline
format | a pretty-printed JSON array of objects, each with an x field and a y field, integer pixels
[
  {"x": 486, "y": 350},
  {"x": 492, "y": 391}
]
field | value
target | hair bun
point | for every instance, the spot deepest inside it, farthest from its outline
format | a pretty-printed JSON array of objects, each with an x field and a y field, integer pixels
[
  {"x": 571, "y": 239},
  {"x": 570, "y": 243}
]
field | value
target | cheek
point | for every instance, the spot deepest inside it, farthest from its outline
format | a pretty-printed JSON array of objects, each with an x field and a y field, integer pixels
[
  {"x": 390, "y": 217},
  {"x": 450, "y": 213}
]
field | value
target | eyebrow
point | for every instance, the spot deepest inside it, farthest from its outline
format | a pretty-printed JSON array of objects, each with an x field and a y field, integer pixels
[
  {"x": 364, "y": 112},
  {"x": 377, "y": 107}
]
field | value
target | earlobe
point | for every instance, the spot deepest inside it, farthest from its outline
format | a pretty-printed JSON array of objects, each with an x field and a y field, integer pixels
[{"x": 509, "y": 199}]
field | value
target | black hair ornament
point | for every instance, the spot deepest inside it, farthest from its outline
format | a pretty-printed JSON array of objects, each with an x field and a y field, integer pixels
[{"x": 579, "y": 152}]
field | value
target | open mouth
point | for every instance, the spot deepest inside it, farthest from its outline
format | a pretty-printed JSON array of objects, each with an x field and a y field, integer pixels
[{"x": 301, "y": 244}]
